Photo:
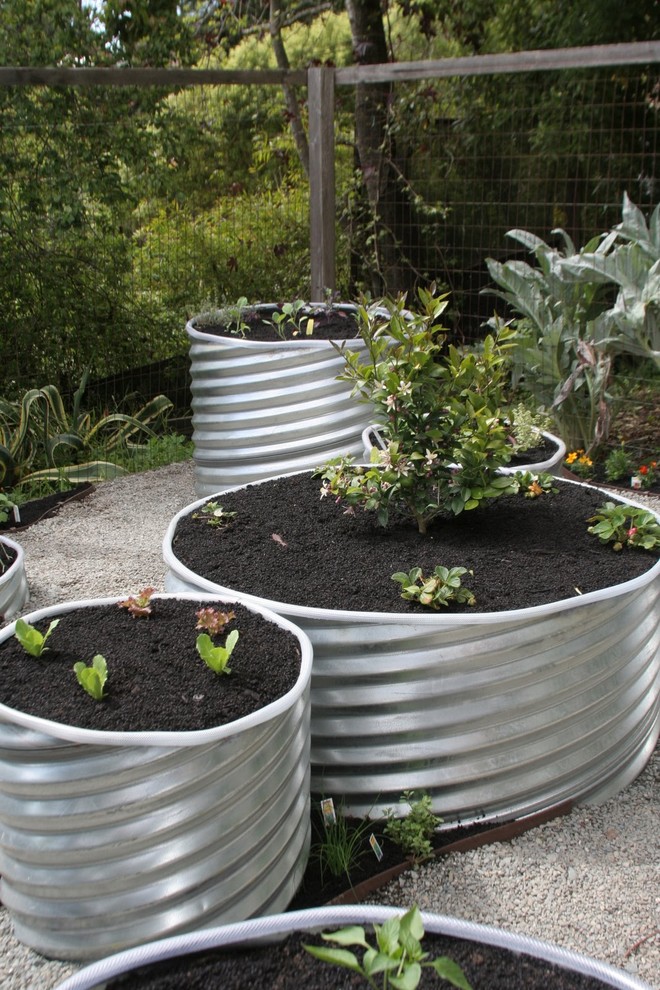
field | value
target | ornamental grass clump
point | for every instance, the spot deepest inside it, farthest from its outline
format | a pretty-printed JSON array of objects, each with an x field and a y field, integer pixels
[{"x": 446, "y": 435}]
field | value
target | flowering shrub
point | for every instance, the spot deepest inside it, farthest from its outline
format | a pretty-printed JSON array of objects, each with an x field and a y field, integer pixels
[
  {"x": 647, "y": 474},
  {"x": 579, "y": 463},
  {"x": 445, "y": 435}
]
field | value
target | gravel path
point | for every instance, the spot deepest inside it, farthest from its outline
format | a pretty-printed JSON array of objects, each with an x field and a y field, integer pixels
[{"x": 589, "y": 881}]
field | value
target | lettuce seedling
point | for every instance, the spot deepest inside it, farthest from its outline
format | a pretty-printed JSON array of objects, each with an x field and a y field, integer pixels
[
  {"x": 138, "y": 605},
  {"x": 398, "y": 959},
  {"x": 32, "y": 641},
  {"x": 93, "y": 678},
  {"x": 216, "y": 657},
  {"x": 212, "y": 620}
]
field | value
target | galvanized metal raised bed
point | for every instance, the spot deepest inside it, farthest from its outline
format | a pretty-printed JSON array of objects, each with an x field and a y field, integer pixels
[
  {"x": 261, "y": 409},
  {"x": 264, "y": 930},
  {"x": 495, "y": 715},
  {"x": 14, "y": 591},
  {"x": 111, "y": 839}
]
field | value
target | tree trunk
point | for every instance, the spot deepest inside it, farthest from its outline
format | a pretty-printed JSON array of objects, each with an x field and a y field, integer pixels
[
  {"x": 374, "y": 148},
  {"x": 290, "y": 99}
]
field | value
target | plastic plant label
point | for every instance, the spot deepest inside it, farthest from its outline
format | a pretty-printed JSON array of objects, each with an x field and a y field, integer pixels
[
  {"x": 373, "y": 842},
  {"x": 328, "y": 811}
]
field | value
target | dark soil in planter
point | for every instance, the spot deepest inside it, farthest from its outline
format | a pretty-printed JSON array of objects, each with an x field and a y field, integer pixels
[
  {"x": 535, "y": 455},
  {"x": 329, "y": 324},
  {"x": 287, "y": 966},
  {"x": 42, "y": 508},
  {"x": 156, "y": 679},
  {"x": 287, "y": 544}
]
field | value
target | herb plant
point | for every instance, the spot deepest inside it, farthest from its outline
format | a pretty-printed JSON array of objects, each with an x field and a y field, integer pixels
[
  {"x": 436, "y": 591},
  {"x": 532, "y": 485},
  {"x": 217, "y": 657},
  {"x": 414, "y": 832},
  {"x": 215, "y": 515},
  {"x": 93, "y": 678},
  {"x": 32, "y": 641},
  {"x": 138, "y": 605},
  {"x": 342, "y": 846},
  {"x": 444, "y": 432},
  {"x": 618, "y": 464},
  {"x": 625, "y": 525},
  {"x": 397, "y": 959}
]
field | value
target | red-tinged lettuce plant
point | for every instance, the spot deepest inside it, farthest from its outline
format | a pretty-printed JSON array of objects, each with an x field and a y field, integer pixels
[
  {"x": 212, "y": 620},
  {"x": 138, "y": 605},
  {"x": 446, "y": 435}
]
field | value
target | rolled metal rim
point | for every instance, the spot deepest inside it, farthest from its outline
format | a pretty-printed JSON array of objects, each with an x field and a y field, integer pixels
[
  {"x": 277, "y": 926},
  {"x": 198, "y": 737},
  {"x": 13, "y": 583},
  {"x": 551, "y": 462},
  {"x": 308, "y": 343},
  {"x": 179, "y": 570}
]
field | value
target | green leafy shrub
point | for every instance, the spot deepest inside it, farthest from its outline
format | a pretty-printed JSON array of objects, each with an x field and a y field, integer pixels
[{"x": 445, "y": 433}]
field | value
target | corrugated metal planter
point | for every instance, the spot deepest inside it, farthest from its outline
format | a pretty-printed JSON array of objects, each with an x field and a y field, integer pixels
[
  {"x": 111, "y": 839},
  {"x": 261, "y": 409},
  {"x": 371, "y": 438},
  {"x": 495, "y": 715},
  {"x": 14, "y": 591},
  {"x": 265, "y": 930}
]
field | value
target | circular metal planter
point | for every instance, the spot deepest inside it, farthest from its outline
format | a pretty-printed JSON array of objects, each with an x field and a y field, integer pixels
[
  {"x": 496, "y": 715},
  {"x": 261, "y": 409},
  {"x": 552, "y": 465},
  {"x": 264, "y": 930},
  {"x": 111, "y": 839},
  {"x": 14, "y": 591}
]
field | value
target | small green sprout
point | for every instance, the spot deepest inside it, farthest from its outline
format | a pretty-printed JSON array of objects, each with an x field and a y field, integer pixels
[
  {"x": 438, "y": 590},
  {"x": 138, "y": 605},
  {"x": 31, "y": 639},
  {"x": 215, "y": 515},
  {"x": 292, "y": 314},
  {"x": 216, "y": 657},
  {"x": 93, "y": 678},
  {"x": 212, "y": 620},
  {"x": 625, "y": 525},
  {"x": 414, "y": 832},
  {"x": 398, "y": 959}
]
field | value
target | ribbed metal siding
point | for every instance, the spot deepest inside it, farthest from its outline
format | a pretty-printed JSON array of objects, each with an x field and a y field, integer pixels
[
  {"x": 495, "y": 715},
  {"x": 261, "y": 409},
  {"x": 13, "y": 584},
  {"x": 104, "y": 846}
]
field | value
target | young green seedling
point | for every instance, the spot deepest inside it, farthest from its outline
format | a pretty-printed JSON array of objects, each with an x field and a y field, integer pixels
[
  {"x": 32, "y": 641},
  {"x": 93, "y": 678},
  {"x": 215, "y": 515},
  {"x": 398, "y": 959},
  {"x": 217, "y": 657},
  {"x": 442, "y": 587}
]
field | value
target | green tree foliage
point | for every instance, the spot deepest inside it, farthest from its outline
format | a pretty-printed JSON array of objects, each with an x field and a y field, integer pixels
[{"x": 74, "y": 164}]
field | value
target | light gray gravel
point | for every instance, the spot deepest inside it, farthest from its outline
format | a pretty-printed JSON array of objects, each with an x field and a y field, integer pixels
[{"x": 589, "y": 881}]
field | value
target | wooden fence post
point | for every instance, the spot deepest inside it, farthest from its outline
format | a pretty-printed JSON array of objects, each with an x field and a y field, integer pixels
[{"x": 321, "y": 103}]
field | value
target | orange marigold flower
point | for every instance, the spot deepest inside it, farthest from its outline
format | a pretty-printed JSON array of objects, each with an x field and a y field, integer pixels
[{"x": 643, "y": 469}]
